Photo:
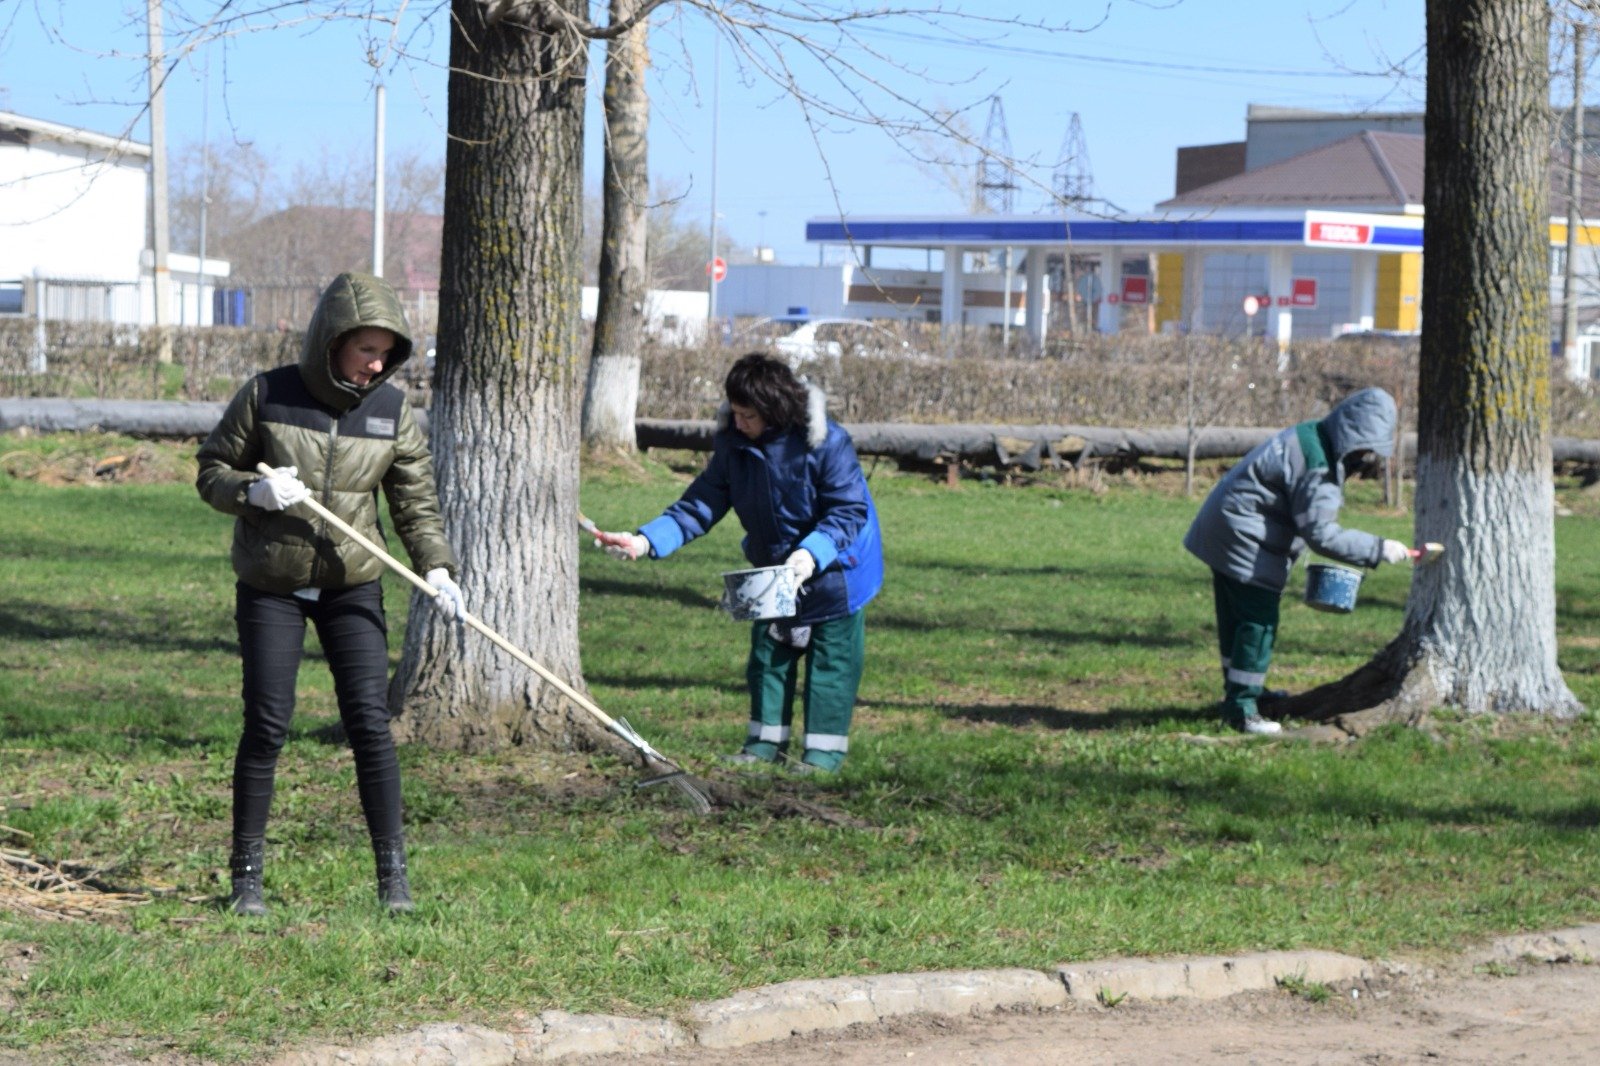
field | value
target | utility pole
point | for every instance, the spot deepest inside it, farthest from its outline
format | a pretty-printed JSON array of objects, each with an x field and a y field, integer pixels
[
  {"x": 377, "y": 186},
  {"x": 160, "y": 273},
  {"x": 1569, "y": 275},
  {"x": 205, "y": 191},
  {"x": 711, "y": 274}
]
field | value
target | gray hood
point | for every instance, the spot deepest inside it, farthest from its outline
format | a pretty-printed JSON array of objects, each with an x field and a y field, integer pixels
[{"x": 1365, "y": 420}]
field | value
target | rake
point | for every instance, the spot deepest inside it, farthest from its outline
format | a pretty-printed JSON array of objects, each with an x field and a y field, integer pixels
[{"x": 670, "y": 772}]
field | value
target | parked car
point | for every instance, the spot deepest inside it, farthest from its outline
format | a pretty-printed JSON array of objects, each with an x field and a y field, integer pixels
[
  {"x": 802, "y": 340},
  {"x": 1391, "y": 337}
]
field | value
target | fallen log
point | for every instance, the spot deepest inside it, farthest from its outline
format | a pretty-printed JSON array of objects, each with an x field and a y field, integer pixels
[
  {"x": 1029, "y": 447},
  {"x": 1001, "y": 445},
  {"x": 134, "y": 418}
]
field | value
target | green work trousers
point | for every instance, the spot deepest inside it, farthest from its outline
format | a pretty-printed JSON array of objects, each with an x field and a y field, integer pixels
[
  {"x": 833, "y": 663},
  {"x": 1247, "y": 624}
]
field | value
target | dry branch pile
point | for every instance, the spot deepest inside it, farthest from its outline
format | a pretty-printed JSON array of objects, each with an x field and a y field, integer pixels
[{"x": 58, "y": 891}]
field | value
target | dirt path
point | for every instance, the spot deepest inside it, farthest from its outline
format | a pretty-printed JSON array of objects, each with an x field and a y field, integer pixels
[{"x": 1544, "y": 1014}]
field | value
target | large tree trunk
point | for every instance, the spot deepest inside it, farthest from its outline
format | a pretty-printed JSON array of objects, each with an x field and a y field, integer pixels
[
  {"x": 1479, "y": 632},
  {"x": 504, "y": 430},
  {"x": 612, "y": 397}
]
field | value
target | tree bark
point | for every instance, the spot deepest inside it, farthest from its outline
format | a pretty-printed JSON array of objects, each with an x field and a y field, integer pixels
[
  {"x": 612, "y": 396},
  {"x": 504, "y": 426},
  {"x": 1479, "y": 632}
]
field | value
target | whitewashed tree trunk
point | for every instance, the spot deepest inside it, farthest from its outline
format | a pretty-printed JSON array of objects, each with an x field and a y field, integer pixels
[
  {"x": 612, "y": 395},
  {"x": 1479, "y": 632},
  {"x": 1481, "y": 623},
  {"x": 504, "y": 428}
]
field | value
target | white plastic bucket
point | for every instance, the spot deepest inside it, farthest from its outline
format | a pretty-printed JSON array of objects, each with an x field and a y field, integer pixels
[
  {"x": 1330, "y": 587},
  {"x": 764, "y": 594}
]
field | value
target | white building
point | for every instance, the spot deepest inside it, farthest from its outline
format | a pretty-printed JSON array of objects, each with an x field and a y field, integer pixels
[
  {"x": 672, "y": 316},
  {"x": 73, "y": 230},
  {"x": 872, "y": 292}
]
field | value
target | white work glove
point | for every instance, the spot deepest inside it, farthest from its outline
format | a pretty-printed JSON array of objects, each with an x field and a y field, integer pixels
[
  {"x": 624, "y": 546},
  {"x": 280, "y": 489},
  {"x": 1395, "y": 552},
  {"x": 448, "y": 602},
  {"x": 802, "y": 564}
]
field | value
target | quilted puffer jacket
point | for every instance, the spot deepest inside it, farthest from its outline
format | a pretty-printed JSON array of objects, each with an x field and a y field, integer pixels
[
  {"x": 1286, "y": 494},
  {"x": 347, "y": 441},
  {"x": 792, "y": 488}
]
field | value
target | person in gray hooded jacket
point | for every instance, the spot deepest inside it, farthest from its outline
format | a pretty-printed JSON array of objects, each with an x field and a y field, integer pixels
[{"x": 1281, "y": 498}]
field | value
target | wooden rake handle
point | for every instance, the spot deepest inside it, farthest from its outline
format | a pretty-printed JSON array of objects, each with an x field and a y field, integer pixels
[{"x": 470, "y": 619}]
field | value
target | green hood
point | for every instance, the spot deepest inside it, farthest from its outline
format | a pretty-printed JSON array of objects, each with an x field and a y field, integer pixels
[{"x": 351, "y": 301}]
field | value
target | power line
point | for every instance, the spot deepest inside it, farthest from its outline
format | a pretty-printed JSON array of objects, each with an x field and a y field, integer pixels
[{"x": 1148, "y": 64}]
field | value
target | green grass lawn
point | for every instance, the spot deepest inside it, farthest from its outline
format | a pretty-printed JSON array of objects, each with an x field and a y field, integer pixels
[{"x": 1023, "y": 788}]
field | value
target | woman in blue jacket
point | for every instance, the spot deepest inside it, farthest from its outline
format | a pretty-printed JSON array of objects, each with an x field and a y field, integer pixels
[{"x": 793, "y": 479}]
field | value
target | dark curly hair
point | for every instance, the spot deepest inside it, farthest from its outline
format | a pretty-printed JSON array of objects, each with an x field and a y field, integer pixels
[{"x": 768, "y": 386}]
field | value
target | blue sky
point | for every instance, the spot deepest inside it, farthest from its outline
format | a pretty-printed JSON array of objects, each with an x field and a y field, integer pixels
[{"x": 1144, "y": 78}]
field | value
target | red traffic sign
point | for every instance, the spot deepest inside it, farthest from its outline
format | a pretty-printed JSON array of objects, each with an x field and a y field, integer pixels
[{"x": 717, "y": 269}]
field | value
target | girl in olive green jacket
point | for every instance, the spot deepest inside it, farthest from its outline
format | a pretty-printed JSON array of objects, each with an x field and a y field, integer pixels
[{"x": 332, "y": 428}]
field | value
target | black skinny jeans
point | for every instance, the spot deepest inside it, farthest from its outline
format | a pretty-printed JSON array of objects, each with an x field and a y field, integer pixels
[{"x": 272, "y": 633}]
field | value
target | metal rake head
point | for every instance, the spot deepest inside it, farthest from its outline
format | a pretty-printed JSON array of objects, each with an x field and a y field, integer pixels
[{"x": 680, "y": 780}]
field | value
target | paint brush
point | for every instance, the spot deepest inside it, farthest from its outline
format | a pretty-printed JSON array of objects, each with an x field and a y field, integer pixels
[{"x": 1427, "y": 553}]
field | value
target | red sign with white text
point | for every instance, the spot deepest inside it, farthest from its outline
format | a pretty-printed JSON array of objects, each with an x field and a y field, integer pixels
[
  {"x": 1135, "y": 289},
  {"x": 1342, "y": 233},
  {"x": 1302, "y": 292}
]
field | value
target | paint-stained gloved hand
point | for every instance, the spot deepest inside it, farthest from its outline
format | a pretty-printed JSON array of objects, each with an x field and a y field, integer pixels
[
  {"x": 280, "y": 489},
  {"x": 625, "y": 546},
  {"x": 802, "y": 564},
  {"x": 1395, "y": 552},
  {"x": 448, "y": 602}
]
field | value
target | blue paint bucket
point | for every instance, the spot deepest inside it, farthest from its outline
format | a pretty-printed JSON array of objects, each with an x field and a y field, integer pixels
[
  {"x": 765, "y": 594},
  {"x": 1330, "y": 587}
]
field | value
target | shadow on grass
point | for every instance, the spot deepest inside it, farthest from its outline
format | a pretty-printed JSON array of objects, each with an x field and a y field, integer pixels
[
  {"x": 1229, "y": 794},
  {"x": 90, "y": 735},
  {"x": 1154, "y": 636},
  {"x": 106, "y": 554},
  {"x": 605, "y": 586},
  {"x": 1047, "y": 717},
  {"x": 46, "y": 622},
  {"x": 723, "y": 682},
  {"x": 1145, "y": 579}
]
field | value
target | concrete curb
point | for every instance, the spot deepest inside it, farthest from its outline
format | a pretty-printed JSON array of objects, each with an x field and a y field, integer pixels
[
  {"x": 796, "y": 1007},
  {"x": 1207, "y": 977},
  {"x": 1581, "y": 944},
  {"x": 793, "y": 1008}
]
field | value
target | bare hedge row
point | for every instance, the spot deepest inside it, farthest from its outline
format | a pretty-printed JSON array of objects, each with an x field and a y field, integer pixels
[
  {"x": 105, "y": 362},
  {"x": 1130, "y": 381},
  {"x": 1110, "y": 381}
]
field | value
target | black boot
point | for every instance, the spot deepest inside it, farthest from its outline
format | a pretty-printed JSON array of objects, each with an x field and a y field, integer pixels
[
  {"x": 394, "y": 890},
  {"x": 244, "y": 866}
]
